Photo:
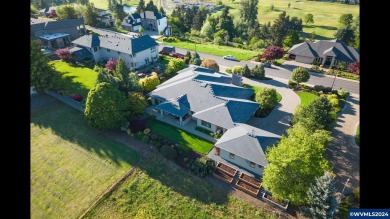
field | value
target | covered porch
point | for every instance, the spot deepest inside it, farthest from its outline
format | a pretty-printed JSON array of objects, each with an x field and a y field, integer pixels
[{"x": 55, "y": 40}]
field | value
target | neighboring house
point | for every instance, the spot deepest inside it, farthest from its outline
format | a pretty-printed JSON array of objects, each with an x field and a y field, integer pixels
[
  {"x": 215, "y": 101},
  {"x": 326, "y": 52},
  {"x": 136, "y": 52},
  {"x": 45, "y": 12},
  {"x": 105, "y": 17},
  {"x": 149, "y": 20},
  {"x": 244, "y": 146},
  {"x": 57, "y": 34}
]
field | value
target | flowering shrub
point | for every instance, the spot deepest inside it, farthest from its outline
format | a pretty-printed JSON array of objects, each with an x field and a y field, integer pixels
[
  {"x": 63, "y": 54},
  {"x": 111, "y": 64},
  {"x": 77, "y": 97}
]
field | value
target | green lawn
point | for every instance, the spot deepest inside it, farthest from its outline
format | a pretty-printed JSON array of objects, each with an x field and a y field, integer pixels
[
  {"x": 175, "y": 134},
  {"x": 326, "y": 14},
  {"x": 257, "y": 89},
  {"x": 103, "y": 4},
  {"x": 161, "y": 189},
  {"x": 240, "y": 54},
  {"x": 71, "y": 164},
  {"x": 306, "y": 97},
  {"x": 76, "y": 79},
  {"x": 357, "y": 138}
]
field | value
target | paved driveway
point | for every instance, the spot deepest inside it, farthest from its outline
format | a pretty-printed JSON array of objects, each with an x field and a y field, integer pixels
[{"x": 277, "y": 121}]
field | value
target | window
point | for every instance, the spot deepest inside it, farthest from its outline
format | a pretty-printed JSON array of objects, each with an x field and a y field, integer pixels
[
  {"x": 108, "y": 50},
  {"x": 158, "y": 22},
  {"x": 205, "y": 124},
  {"x": 251, "y": 164},
  {"x": 95, "y": 49},
  {"x": 153, "y": 49},
  {"x": 119, "y": 53},
  {"x": 231, "y": 155}
]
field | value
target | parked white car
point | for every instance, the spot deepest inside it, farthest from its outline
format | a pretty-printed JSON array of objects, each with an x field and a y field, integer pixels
[{"x": 230, "y": 57}]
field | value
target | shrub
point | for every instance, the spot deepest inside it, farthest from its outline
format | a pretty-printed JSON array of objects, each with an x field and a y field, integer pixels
[
  {"x": 138, "y": 135},
  {"x": 201, "y": 166},
  {"x": 228, "y": 70},
  {"x": 237, "y": 69},
  {"x": 96, "y": 68},
  {"x": 146, "y": 139},
  {"x": 63, "y": 54},
  {"x": 185, "y": 160},
  {"x": 292, "y": 83},
  {"x": 210, "y": 63},
  {"x": 343, "y": 93},
  {"x": 168, "y": 152},
  {"x": 184, "y": 148},
  {"x": 137, "y": 125},
  {"x": 170, "y": 39},
  {"x": 158, "y": 145},
  {"x": 111, "y": 64},
  {"x": 267, "y": 98},
  {"x": 195, "y": 61},
  {"x": 146, "y": 131},
  {"x": 315, "y": 62},
  {"x": 129, "y": 132},
  {"x": 318, "y": 88},
  {"x": 356, "y": 194},
  {"x": 327, "y": 90},
  {"x": 77, "y": 97}
]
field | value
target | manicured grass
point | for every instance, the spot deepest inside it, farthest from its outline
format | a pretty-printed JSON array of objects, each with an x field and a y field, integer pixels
[
  {"x": 71, "y": 164},
  {"x": 103, "y": 4},
  {"x": 76, "y": 79},
  {"x": 240, "y": 54},
  {"x": 257, "y": 89},
  {"x": 306, "y": 97},
  {"x": 161, "y": 189},
  {"x": 357, "y": 137},
  {"x": 326, "y": 14},
  {"x": 175, "y": 134}
]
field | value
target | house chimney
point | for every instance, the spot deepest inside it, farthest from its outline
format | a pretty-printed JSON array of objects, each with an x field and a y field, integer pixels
[{"x": 236, "y": 79}]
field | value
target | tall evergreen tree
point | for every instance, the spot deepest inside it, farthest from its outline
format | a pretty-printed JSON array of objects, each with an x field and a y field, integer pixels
[
  {"x": 110, "y": 5},
  {"x": 151, "y": 6},
  {"x": 226, "y": 23},
  {"x": 66, "y": 12},
  {"x": 322, "y": 197},
  {"x": 199, "y": 18},
  {"x": 280, "y": 29},
  {"x": 162, "y": 11},
  {"x": 248, "y": 11},
  {"x": 90, "y": 16},
  {"x": 119, "y": 13},
  {"x": 141, "y": 6},
  {"x": 122, "y": 72}
]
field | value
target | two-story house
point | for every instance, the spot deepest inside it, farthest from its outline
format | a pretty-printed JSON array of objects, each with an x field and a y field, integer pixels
[{"x": 149, "y": 20}]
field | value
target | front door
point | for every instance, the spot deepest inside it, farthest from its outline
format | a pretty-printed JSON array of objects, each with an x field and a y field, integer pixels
[{"x": 328, "y": 60}]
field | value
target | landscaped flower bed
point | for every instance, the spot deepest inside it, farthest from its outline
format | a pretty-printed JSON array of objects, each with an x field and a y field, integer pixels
[
  {"x": 227, "y": 169},
  {"x": 250, "y": 180},
  {"x": 276, "y": 202},
  {"x": 222, "y": 176},
  {"x": 247, "y": 188}
]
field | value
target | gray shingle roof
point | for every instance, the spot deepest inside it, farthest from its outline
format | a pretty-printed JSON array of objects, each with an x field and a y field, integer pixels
[
  {"x": 64, "y": 23},
  {"x": 219, "y": 78},
  {"x": 323, "y": 48},
  {"x": 80, "y": 52},
  {"x": 246, "y": 141},
  {"x": 117, "y": 42},
  {"x": 178, "y": 107},
  {"x": 217, "y": 103}
]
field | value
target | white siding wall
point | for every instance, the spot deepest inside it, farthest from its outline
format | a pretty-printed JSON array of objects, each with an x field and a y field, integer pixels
[
  {"x": 241, "y": 162},
  {"x": 303, "y": 59},
  {"x": 140, "y": 57},
  {"x": 163, "y": 24},
  {"x": 96, "y": 55},
  {"x": 213, "y": 127},
  {"x": 105, "y": 55}
]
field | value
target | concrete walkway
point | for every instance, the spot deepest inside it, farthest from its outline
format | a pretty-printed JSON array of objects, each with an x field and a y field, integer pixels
[
  {"x": 342, "y": 152},
  {"x": 278, "y": 120}
]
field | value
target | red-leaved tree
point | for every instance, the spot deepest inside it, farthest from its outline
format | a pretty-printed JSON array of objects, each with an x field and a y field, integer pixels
[
  {"x": 354, "y": 67},
  {"x": 52, "y": 14},
  {"x": 111, "y": 64},
  {"x": 273, "y": 52},
  {"x": 63, "y": 54}
]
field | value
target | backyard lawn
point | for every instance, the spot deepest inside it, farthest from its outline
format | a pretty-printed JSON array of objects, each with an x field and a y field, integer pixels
[
  {"x": 175, "y": 134},
  {"x": 161, "y": 189},
  {"x": 306, "y": 97},
  {"x": 240, "y": 54},
  {"x": 76, "y": 79},
  {"x": 71, "y": 164}
]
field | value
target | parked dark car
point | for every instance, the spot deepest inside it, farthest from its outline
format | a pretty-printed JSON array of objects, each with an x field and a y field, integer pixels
[{"x": 267, "y": 64}]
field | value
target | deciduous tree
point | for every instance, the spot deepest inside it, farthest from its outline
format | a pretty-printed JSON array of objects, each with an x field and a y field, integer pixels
[
  {"x": 267, "y": 98},
  {"x": 309, "y": 18},
  {"x": 90, "y": 16},
  {"x": 66, "y": 12},
  {"x": 210, "y": 63},
  {"x": 300, "y": 75},
  {"x": 207, "y": 30},
  {"x": 106, "y": 107},
  {"x": 291, "y": 39},
  {"x": 137, "y": 103},
  {"x": 347, "y": 35},
  {"x": 149, "y": 83},
  {"x": 63, "y": 54},
  {"x": 354, "y": 67},
  {"x": 175, "y": 65},
  {"x": 346, "y": 19},
  {"x": 273, "y": 52},
  {"x": 295, "y": 163},
  {"x": 248, "y": 11}
]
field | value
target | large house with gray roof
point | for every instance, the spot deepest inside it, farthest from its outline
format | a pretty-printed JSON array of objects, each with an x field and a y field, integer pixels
[
  {"x": 136, "y": 52},
  {"x": 57, "y": 34},
  {"x": 149, "y": 20},
  {"x": 245, "y": 146},
  {"x": 205, "y": 96},
  {"x": 329, "y": 53}
]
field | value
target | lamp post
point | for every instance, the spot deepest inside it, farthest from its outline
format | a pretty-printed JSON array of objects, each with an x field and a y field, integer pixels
[{"x": 334, "y": 80}]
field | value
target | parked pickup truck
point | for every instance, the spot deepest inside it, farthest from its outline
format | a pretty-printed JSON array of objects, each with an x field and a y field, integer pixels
[{"x": 171, "y": 51}]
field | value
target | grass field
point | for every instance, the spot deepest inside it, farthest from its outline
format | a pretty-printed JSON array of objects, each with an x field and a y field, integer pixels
[
  {"x": 71, "y": 164},
  {"x": 326, "y": 14},
  {"x": 306, "y": 97},
  {"x": 103, "y": 4},
  {"x": 76, "y": 79},
  {"x": 240, "y": 54},
  {"x": 161, "y": 189},
  {"x": 175, "y": 134},
  {"x": 357, "y": 137}
]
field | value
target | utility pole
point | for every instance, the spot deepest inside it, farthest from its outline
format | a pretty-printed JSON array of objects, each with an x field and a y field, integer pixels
[{"x": 334, "y": 80}]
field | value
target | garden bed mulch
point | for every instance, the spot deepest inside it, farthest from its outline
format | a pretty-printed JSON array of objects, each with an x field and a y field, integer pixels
[
  {"x": 191, "y": 155},
  {"x": 222, "y": 176},
  {"x": 227, "y": 169},
  {"x": 282, "y": 204},
  {"x": 250, "y": 180},
  {"x": 247, "y": 188}
]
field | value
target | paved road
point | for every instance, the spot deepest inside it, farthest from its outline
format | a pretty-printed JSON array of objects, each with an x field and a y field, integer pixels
[
  {"x": 280, "y": 72},
  {"x": 274, "y": 72}
]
